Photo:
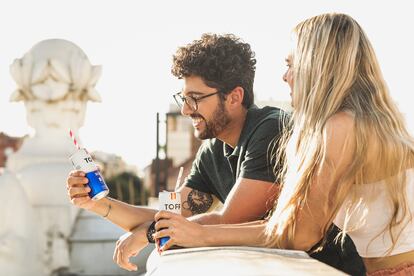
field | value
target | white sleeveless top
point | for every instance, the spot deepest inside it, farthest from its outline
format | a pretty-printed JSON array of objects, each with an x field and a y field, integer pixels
[{"x": 376, "y": 216}]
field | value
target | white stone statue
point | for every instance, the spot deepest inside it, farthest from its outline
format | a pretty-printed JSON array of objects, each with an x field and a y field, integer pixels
[{"x": 54, "y": 80}]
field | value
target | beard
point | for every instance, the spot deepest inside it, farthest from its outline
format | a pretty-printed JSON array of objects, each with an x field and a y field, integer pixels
[{"x": 216, "y": 125}]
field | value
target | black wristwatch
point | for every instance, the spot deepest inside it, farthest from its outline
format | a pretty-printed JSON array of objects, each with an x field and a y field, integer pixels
[{"x": 151, "y": 230}]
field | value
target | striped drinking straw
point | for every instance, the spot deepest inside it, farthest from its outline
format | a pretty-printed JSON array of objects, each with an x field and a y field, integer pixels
[{"x": 72, "y": 136}]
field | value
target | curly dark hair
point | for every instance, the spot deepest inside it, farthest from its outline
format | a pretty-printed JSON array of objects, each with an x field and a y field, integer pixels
[{"x": 222, "y": 61}]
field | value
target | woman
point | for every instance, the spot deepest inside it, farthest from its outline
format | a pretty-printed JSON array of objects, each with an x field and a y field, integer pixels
[{"x": 348, "y": 158}]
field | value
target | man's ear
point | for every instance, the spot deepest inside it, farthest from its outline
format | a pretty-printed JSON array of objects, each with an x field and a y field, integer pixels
[{"x": 235, "y": 97}]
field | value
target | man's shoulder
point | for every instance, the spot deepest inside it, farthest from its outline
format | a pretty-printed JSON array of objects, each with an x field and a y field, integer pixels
[
  {"x": 267, "y": 119},
  {"x": 210, "y": 146},
  {"x": 267, "y": 113}
]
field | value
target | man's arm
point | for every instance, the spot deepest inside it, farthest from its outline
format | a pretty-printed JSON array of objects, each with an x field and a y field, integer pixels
[
  {"x": 248, "y": 200},
  {"x": 194, "y": 202},
  {"x": 189, "y": 234}
]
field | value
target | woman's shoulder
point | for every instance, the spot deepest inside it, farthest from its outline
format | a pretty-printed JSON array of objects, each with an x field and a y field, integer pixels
[
  {"x": 340, "y": 122},
  {"x": 339, "y": 136}
]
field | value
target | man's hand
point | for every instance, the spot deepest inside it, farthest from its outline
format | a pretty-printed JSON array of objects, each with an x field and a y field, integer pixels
[
  {"x": 129, "y": 245},
  {"x": 181, "y": 231},
  {"x": 78, "y": 190}
]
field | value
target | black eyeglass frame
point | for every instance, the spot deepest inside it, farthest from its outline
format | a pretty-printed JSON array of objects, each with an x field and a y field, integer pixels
[{"x": 181, "y": 100}]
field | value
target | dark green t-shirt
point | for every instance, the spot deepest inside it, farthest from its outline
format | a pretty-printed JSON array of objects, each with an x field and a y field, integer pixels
[{"x": 217, "y": 165}]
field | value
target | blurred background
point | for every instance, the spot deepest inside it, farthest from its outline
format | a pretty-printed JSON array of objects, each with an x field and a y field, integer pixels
[{"x": 134, "y": 42}]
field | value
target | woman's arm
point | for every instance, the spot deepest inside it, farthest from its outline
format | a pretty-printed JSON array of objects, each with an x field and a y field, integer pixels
[
  {"x": 339, "y": 137},
  {"x": 122, "y": 214}
]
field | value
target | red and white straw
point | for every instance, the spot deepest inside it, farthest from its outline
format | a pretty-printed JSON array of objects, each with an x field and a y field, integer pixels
[{"x": 72, "y": 136}]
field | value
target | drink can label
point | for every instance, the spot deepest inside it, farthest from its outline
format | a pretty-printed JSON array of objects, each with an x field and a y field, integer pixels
[
  {"x": 82, "y": 161},
  {"x": 169, "y": 201}
]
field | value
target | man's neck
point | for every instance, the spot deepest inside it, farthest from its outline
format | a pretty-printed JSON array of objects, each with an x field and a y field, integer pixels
[{"x": 231, "y": 134}]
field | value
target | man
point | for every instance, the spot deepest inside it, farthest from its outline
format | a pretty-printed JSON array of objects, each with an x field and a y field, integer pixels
[{"x": 232, "y": 165}]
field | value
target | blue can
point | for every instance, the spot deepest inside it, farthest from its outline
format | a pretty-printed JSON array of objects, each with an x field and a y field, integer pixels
[{"x": 82, "y": 160}]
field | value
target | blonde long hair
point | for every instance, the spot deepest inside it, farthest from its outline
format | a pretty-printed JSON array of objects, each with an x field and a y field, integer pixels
[{"x": 335, "y": 69}]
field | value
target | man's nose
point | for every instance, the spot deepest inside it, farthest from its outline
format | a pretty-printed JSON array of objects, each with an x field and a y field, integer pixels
[{"x": 186, "y": 110}]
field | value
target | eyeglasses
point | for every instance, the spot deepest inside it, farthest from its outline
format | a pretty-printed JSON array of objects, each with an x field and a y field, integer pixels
[{"x": 191, "y": 101}]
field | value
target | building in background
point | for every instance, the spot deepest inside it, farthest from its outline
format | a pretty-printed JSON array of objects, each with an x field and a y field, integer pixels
[
  {"x": 178, "y": 150},
  {"x": 180, "y": 140}
]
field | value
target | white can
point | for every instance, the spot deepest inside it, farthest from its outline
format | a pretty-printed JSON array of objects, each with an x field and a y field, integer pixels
[
  {"x": 169, "y": 201},
  {"x": 82, "y": 161}
]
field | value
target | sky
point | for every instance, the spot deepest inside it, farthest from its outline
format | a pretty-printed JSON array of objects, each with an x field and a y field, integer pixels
[{"x": 134, "y": 42}]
